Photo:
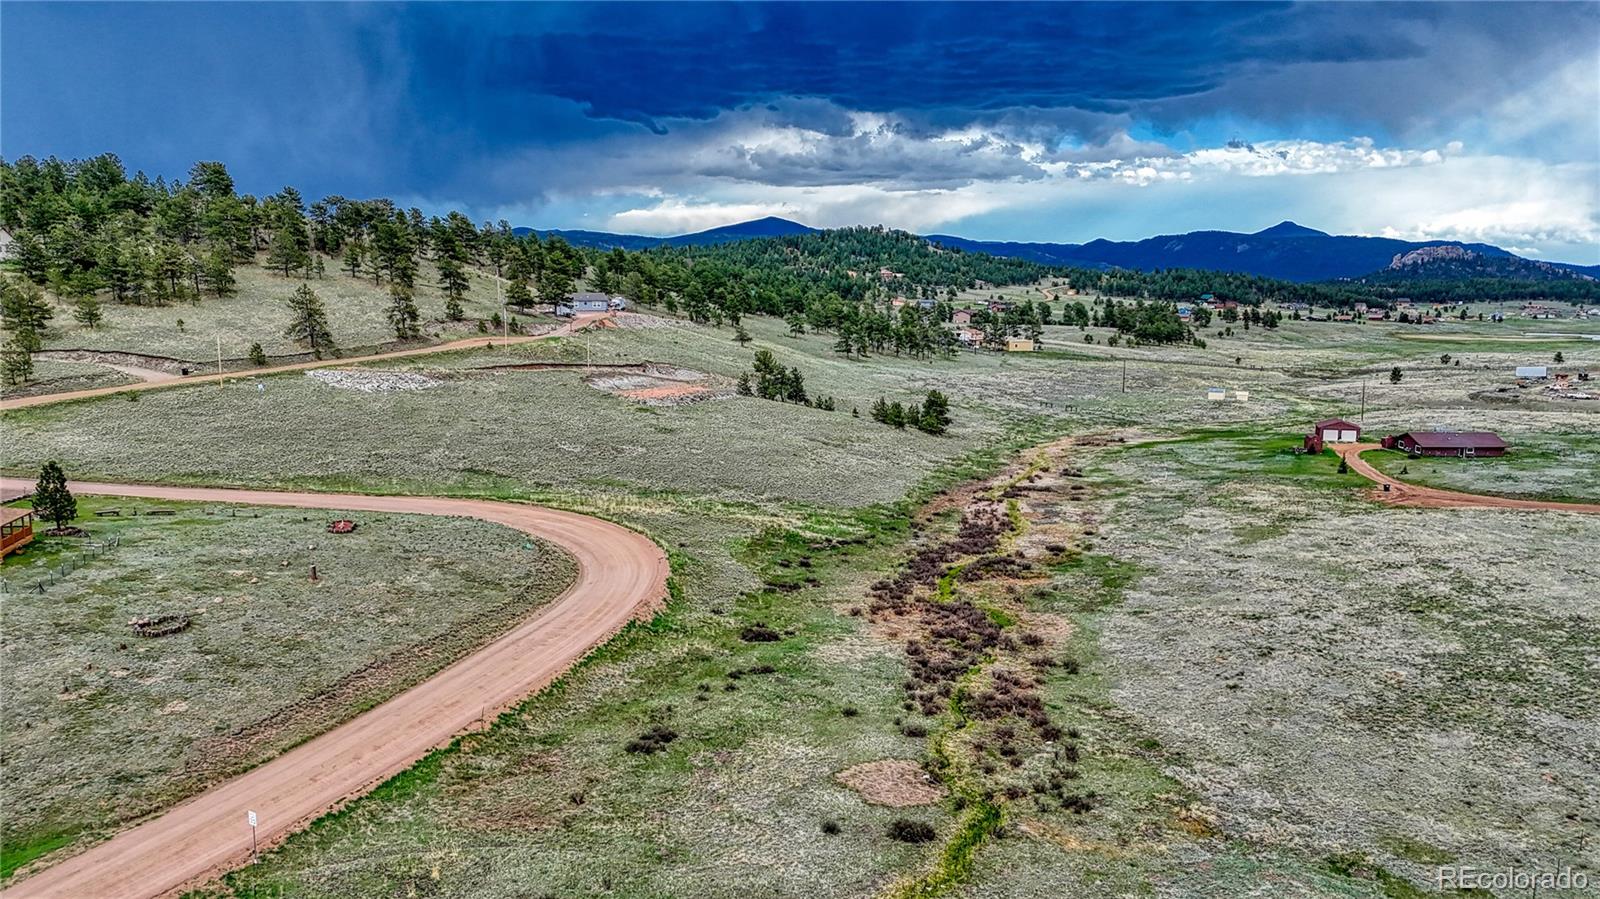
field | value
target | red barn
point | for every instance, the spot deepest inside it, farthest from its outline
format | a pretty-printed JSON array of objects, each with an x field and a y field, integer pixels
[{"x": 1448, "y": 443}]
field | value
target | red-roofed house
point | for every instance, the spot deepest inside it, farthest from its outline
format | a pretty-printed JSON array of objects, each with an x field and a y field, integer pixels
[{"x": 1448, "y": 443}]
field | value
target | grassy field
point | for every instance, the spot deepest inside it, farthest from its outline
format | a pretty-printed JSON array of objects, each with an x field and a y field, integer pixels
[
  {"x": 101, "y": 726},
  {"x": 257, "y": 313},
  {"x": 1266, "y": 678}
]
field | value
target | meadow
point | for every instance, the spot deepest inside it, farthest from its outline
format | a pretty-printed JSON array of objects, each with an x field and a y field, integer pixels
[
  {"x": 102, "y": 726},
  {"x": 1270, "y": 677}
]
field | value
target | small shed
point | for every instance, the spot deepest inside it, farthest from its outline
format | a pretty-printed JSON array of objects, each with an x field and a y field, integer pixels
[
  {"x": 1465, "y": 444},
  {"x": 1337, "y": 430},
  {"x": 1019, "y": 345},
  {"x": 1216, "y": 394},
  {"x": 1533, "y": 372},
  {"x": 16, "y": 530}
]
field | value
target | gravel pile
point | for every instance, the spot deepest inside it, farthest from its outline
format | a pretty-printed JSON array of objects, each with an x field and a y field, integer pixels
[{"x": 373, "y": 381}]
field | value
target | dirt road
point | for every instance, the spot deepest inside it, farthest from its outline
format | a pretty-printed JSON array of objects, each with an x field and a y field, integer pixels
[
  {"x": 171, "y": 381},
  {"x": 1402, "y": 494},
  {"x": 622, "y": 575}
]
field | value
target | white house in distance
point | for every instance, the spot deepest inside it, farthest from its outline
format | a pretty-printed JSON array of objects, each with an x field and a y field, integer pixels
[
  {"x": 1337, "y": 430},
  {"x": 581, "y": 303}
]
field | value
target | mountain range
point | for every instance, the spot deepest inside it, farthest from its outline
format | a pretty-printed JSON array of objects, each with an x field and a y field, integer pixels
[{"x": 1286, "y": 250}]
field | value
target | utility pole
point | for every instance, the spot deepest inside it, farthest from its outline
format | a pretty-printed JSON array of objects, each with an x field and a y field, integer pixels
[
  {"x": 1124, "y": 376},
  {"x": 219, "y": 361},
  {"x": 1363, "y": 419}
]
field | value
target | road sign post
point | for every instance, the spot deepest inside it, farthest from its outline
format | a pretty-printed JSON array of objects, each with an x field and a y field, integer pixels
[{"x": 251, "y": 817}]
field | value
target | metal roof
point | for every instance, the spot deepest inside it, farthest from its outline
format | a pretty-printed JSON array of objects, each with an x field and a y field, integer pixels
[
  {"x": 1455, "y": 439},
  {"x": 1337, "y": 423}
]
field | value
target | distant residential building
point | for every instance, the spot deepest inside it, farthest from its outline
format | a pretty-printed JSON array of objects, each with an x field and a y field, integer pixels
[
  {"x": 970, "y": 336},
  {"x": 1533, "y": 372},
  {"x": 585, "y": 303},
  {"x": 961, "y": 317},
  {"x": 1019, "y": 345},
  {"x": 1465, "y": 444}
]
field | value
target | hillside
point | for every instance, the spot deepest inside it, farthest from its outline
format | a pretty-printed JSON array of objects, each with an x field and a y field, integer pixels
[
  {"x": 771, "y": 226},
  {"x": 1287, "y": 251}
]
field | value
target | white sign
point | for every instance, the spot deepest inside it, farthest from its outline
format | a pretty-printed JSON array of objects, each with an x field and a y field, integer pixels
[{"x": 252, "y": 817}]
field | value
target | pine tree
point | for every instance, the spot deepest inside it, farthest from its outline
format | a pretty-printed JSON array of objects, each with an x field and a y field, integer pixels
[
  {"x": 743, "y": 387},
  {"x": 25, "y": 313},
  {"x": 794, "y": 387},
  {"x": 51, "y": 498},
  {"x": 403, "y": 315},
  {"x": 217, "y": 272},
  {"x": 896, "y": 415},
  {"x": 308, "y": 320},
  {"x": 935, "y": 416},
  {"x": 741, "y": 335},
  {"x": 16, "y": 362},
  {"x": 257, "y": 355},
  {"x": 354, "y": 255},
  {"x": 284, "y": 252},
  {"x": 453, "y": 281},
  {"x": 86, "y": 311},
  {"x": 880, "y": 411},
  {"x": 797, "y": 324},
  {"x": 1395, "y": 375}
]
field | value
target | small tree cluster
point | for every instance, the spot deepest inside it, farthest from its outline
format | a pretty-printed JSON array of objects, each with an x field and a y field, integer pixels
[{"x": 931, "y": 416}]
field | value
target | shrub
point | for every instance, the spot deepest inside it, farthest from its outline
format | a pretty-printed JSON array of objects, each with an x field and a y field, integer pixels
[
  {"x": 849, "y": 711},
  {"x": 908, "y": 831},
  {"x": 914, "y": 730},
  {"x": 830, "y": 827},
  {"x": 653, "y": 740},
  {"x": 758, "y": 633}
]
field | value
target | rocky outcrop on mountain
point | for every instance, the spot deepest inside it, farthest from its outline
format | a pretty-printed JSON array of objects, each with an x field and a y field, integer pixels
[{"x": 1425, "y": 255}]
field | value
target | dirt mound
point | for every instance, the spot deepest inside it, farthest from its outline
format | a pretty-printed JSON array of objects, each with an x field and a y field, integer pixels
[{"x": 893, "y": 782}]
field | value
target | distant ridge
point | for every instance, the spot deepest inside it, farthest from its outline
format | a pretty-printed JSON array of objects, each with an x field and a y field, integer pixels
[
  {"x": 771, "y": 226},
  {"x": 1287, "y": 250}
]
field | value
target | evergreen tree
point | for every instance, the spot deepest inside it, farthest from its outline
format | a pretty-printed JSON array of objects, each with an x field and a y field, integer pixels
[
  {"x": 51, "y": 498},
  {"x": 257, "y": 355},
  {"x": 16, "y": 362},
  {"x": 285, "y": 253},
  {"x": 795, "y": 387},
  {"x": 354, "y": 255},
  {"x": 935, "y": 417},
  {"x": 797, "y": 324},
  {"x": 308, "y": 320},
  {"x": 740, "y": 334},
  {"x": 453, "y": 281},
  {"x": 86, "y": 311},
  {"x": 896, "y": 415},
  {"x": 403, "y": 315},
  {"x": 880, "y": 411},
  {"x": 743, "y": 387},
  {"x": 25, "y": 313},
  {"x": 554, "y": 286},
  {"x": 1395, "y": 375},
  {"x": 217, "y": 272}
]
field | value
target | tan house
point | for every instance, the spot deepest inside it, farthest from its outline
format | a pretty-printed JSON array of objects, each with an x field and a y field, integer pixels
[
  {"x": 1019, "y": 345},
  {"x": 961, "y": 317}
]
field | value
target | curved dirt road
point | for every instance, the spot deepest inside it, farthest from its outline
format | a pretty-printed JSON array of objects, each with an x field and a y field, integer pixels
[
  {"x": 171, "y": 381},
  {"x": 1402, "y": 494},
  {"x": 622, "y": 575}
]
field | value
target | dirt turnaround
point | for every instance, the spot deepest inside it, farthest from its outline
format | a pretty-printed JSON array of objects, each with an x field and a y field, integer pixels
[
  {"x": 45, "y": 399},
  {"x": 1402, "y": 494},
  {"x": 622, "y": 576}
]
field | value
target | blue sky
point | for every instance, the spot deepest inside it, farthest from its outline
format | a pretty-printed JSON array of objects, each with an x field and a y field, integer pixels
[{"x": 1060, "y": 122}]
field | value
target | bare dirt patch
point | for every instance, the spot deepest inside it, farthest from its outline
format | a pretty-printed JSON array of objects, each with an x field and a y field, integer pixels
[
  {"x": 897, "y": 783},
  {"x": 661, "y": 385}
]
